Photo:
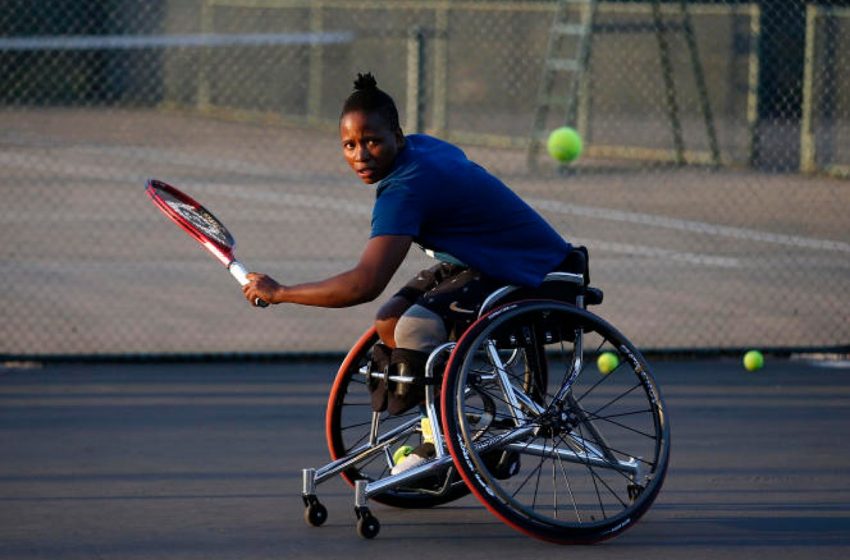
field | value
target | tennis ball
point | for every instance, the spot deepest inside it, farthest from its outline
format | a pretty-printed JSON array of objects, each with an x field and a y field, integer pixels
[
  {"x": 753, "y": 360},
  {"x": 401, "y": 453},
  {"x": 564, "y": 144},
  {"x": 607, "y": 362}
]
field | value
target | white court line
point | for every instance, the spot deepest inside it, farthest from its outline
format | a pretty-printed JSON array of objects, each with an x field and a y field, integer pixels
[
  {"x": 658, "y": 253},
  {"x": 689, "y": 226},
  {"x": 323, "y": 203},
  {"x": 319, "y": 202},
  {"x": 286, "y": 198},
  {"x": 703, "y": 228},
  {"x": 89, "y": 42}
]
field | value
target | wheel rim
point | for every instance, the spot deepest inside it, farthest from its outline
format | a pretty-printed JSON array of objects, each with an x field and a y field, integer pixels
[
  {"x": 348, "y": 419},
  {"x": 349, "y": 415},
  {"x": 580, "y": 463}
]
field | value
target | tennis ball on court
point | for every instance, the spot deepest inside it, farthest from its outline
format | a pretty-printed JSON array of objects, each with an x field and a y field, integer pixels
[
  {"x": 401, "y": 453},
  {"x": 564, "y": 144},
  {"x": 607, "y": 362},
  {"x": 753, "y": 360}
]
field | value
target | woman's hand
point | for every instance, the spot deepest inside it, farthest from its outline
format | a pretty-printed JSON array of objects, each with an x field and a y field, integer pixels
[{"x": 261, "y": 286}]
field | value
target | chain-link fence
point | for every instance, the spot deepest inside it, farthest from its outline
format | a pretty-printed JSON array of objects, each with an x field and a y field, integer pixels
[{"x": 711, "y": 192}]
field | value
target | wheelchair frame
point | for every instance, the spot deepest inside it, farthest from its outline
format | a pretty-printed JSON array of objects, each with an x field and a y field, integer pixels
[{"x": 458, "y": 454}]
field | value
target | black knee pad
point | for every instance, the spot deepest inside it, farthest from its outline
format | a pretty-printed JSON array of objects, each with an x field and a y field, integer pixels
[
  {"x": 401, "y": 397},
  {"x": 378, "y": 387}
]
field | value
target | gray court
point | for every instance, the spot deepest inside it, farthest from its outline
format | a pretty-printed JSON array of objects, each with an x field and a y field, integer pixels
[
  {"x": 203, "y": 461},
  {"x": 688, "y": 257}
]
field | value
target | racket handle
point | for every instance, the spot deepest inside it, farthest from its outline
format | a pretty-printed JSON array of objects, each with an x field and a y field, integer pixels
[{"x": 238, "y": 271}]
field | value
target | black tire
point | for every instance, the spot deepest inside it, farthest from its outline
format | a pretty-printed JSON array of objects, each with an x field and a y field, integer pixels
[
  {"x": 315, "y": 514},
  {"x": 551, "y": 472},
  {"x": 347, "y": 424},
  {"x": 368, "y": 526}
]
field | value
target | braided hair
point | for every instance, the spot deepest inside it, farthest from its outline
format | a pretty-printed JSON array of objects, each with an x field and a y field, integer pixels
[{"x": 368, "y": 98}]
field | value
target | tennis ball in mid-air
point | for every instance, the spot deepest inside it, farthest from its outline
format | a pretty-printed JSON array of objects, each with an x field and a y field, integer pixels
[
  {"x": 607, "y": 362},
  {"x": 564, "y": 144},
  {"x": 753, "y": 360},
  {"x": 401, "y": 453}
]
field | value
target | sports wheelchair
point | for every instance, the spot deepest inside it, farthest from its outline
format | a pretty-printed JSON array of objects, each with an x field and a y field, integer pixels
[{"x": 519, "y": 415}]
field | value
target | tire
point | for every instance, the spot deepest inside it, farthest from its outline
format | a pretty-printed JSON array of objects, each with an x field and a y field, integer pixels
[
  {"x": 347, "y": 425},
  {"x": 580, "y": 471}
]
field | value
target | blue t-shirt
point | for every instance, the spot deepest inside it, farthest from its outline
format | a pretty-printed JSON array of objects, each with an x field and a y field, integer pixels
[{"x": 451, "y": 205}]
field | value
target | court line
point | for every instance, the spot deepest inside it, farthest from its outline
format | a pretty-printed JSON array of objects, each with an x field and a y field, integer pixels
[
  {"x": 658, "y": 253},
  {"x": 122, "y": 42},
  {"x": 689, "y": 226},
  {"x": 554, "y": 206},
  {"x": 324, "y": 203}
]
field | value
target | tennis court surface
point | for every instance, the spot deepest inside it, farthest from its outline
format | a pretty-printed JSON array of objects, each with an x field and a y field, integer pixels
[{"x": 203, "y": 460}]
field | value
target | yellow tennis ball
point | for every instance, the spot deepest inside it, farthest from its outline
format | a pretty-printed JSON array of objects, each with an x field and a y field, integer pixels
[
  {"x": 401, "y": 453},
  {"x": 753, "y": 360},
  {"x": 607, "y": 362},
  {"x": 564, "y": 144}
]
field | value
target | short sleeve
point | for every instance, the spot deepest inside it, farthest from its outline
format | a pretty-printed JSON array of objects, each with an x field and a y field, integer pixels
[{"x": 397, "y": 212}]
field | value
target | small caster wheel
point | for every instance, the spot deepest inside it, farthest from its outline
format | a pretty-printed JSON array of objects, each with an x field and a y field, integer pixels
[
  {"x": 315, "y": 514},
  {"x": 368, "y": 526}
]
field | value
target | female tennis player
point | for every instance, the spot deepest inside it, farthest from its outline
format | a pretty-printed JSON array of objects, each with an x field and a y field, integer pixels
[{"x": 481, "y": 234}]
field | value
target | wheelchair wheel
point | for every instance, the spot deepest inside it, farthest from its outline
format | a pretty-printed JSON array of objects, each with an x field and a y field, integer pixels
[
  {"x": 348, "y": 424},
  {"x": 577, "y": 461}
]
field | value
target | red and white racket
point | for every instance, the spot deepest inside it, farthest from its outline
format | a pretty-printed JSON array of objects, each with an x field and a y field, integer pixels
[{"x": 200, "y": 223}]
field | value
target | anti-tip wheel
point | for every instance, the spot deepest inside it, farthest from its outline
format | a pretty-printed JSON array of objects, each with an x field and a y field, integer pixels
[
  {"x": 315, "y": 514},
  {"x": 368, "y": 526}
]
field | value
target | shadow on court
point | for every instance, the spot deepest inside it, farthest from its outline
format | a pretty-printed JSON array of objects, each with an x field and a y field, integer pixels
[{"x": 204, "y": 460}]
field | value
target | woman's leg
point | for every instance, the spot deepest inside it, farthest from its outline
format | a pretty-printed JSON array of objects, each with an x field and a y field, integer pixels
[{"x": 388, "y": 316}]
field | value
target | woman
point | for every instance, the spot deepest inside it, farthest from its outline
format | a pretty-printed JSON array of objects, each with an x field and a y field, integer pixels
[{"x": 427, "y": 192}]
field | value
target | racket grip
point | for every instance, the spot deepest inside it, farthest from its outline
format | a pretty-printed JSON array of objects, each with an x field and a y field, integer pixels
[{"x": 238, "y": 271}]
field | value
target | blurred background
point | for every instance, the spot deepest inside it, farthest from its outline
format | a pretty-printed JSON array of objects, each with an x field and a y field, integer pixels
[{"x": 713, "y": 191}]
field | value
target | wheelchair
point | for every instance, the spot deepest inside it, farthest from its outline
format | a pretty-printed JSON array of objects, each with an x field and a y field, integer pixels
[{"x": 519, "y": 415}]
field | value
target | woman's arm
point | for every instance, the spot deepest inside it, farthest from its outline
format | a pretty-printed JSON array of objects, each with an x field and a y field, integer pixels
[{"x": 365, "y": 282}]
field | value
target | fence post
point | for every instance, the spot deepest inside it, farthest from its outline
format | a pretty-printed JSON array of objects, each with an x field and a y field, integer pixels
[
  {"x": 202, "y": 100},
  {"x": 753, "y": 69},
  {"x": 807, "y": 140},
  {"x": 415, "y": 80},
  {"x": 316, "y": 62},
  {"x": 441, "y": 68}
]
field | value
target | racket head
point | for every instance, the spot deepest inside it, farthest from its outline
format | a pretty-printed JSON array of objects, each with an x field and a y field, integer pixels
[{"x": 193, "y": 218}]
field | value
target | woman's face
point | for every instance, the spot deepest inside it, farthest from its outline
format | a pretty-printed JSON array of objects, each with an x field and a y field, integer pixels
[{"x": 369, "y": 145}]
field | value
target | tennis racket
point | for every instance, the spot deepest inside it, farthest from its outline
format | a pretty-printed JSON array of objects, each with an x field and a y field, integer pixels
[{"x": 200, "y": 223}]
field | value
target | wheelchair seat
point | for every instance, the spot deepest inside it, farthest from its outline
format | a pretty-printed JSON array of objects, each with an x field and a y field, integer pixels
[{"x": 570, "y": 283}]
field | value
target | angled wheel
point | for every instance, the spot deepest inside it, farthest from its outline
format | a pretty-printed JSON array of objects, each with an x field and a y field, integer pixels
[
  {"x": 348, "y": 422},
  {"x": 569, "y": 455}
]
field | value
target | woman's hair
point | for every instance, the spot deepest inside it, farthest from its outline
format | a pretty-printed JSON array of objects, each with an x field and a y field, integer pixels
[{"x": 368, "y": 98}]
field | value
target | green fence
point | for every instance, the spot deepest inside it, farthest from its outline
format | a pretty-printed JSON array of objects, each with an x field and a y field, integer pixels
[{"x": 712, "y": 192}]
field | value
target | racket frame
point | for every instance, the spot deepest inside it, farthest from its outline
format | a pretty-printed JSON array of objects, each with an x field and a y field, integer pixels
[{"x": 221, "y": 251}]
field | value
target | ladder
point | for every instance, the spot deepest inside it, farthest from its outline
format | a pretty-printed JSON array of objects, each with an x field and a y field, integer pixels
[{"x": 558, "y": 63}]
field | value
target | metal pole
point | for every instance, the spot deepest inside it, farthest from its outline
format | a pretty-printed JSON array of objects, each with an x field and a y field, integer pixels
[
  {"x": 753, "y": 84},
  {"x": 807, "y": 139},
  {"x": 669, "y": 84},
  {"x": 202, "y": 99},
  {"x": 315, "y": 70},
  {"x": 441, "y": 69},
  {"x": 702, "y": 88},
  {"x": 415, "y": 80}
]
